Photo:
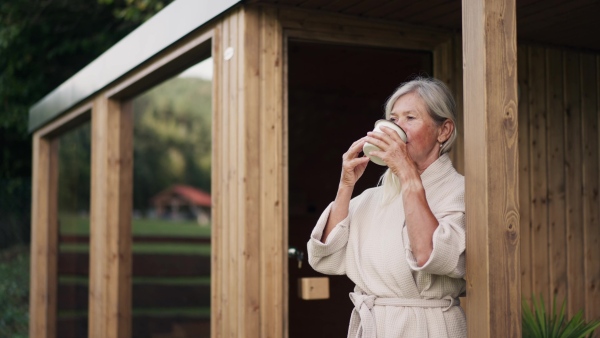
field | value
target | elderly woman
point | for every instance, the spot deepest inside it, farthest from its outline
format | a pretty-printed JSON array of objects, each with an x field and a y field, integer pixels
[{"x": 403, "y": 242}]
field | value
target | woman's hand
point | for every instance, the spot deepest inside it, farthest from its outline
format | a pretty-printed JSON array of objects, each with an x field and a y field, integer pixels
[
  {"x": 352, "y": 169},
  {"x": 353, "y": 166},
  {"x": 393, "y": 152}
]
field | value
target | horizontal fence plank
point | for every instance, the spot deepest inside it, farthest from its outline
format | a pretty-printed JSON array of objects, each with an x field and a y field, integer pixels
[
  {"x": 143, "y": 326},
  {"x": 150, "y": 265},
  {"x": 147, "y": 295},
  {"x": 170, "y": 296},
  {"x": 83, "y": 239}
]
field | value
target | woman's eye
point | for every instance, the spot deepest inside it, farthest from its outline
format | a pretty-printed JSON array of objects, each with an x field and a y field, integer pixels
[{"x": 410, "y": 117}]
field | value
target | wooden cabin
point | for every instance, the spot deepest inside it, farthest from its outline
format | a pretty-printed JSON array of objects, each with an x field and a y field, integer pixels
[
  {"x": 180, "y": 202},
  {"x": 292, "y": 75}
]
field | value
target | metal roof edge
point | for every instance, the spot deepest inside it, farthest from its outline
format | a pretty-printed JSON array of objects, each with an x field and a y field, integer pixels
[{"x": 161, "y": 31}]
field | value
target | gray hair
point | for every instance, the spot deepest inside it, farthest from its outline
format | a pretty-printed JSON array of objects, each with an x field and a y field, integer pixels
[
  {"x": 438, "y": 99},
  {"x": 440, "y": 106}
]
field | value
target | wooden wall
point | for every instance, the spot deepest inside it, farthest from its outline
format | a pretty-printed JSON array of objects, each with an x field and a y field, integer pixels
[
  {"x": 559, "y": 173},
  {"x": 559, "y": 176}
]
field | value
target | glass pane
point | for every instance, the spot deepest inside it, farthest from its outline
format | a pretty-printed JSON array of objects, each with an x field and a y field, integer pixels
[
  {"x": 74, "y": 230},
  {"x": 172, "y": 207}
]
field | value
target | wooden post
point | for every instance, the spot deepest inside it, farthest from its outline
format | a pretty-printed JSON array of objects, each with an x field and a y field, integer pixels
[
  {"x": 491, "y": 168},
  {"x": 110, "y": 219},
  {"x": 248, "y": 272},
  {"x": 44, "y": 238},
  {"x": 273, "y": 255}
]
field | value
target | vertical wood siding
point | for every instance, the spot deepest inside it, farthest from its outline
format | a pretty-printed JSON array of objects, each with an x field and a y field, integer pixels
[
  {"x": 559, "y": 176},
  {"x": 248, "y": 229}
]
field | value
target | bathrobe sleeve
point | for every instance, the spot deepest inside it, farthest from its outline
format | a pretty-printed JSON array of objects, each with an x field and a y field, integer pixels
[
  {"x": 329, "y": 257},
  {"x": 449, "y": 239}
]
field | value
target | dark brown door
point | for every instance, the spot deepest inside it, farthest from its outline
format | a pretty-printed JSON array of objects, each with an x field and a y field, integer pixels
[{"x": 335, "y": 93}]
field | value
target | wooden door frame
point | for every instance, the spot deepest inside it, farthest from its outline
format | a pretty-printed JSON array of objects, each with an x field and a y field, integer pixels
[{"x": 311, "y": 26}]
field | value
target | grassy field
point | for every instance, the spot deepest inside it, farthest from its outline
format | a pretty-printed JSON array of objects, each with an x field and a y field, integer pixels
[
  {"x": 80, "y": 225},
  {"x": 149, "y": 248},
  {"x": 77, "y": 225},
  {"x": 143, "y": 280}
]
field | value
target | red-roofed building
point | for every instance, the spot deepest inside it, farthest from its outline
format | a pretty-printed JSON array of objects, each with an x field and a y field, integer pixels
[{"x": 183, "y": 202}]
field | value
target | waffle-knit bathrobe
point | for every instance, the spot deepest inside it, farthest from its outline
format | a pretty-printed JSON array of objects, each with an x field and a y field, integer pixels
[{"x": 394, "y": 297}]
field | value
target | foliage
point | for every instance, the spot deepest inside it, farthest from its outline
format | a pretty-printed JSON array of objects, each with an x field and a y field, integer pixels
[
  {"x": 74, "y": 169},
  {"x": 136, "y": 10},
  {"x": 172, "y": 145},
  {"x": 15, "y": 197},
  {"x": 14, "y": 292},
  {"x": 539, "y": 324},
  {"x": 172, "y": 138},
  {"x": 43, "y": 43},
  {"x": 77, "y": 225}
]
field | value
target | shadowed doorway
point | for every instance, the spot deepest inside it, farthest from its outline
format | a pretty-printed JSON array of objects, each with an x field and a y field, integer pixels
[{"x": 335, "y": 95}]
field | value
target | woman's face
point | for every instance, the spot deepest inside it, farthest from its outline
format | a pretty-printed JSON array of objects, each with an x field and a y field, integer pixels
[{"x": 423, "y": 134}]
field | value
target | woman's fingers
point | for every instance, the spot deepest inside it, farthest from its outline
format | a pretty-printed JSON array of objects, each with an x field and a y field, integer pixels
[
  {"x": 351, "y": 164},
  {"x": 357, "y": 146},
  {"x": 354, "y": 149}
]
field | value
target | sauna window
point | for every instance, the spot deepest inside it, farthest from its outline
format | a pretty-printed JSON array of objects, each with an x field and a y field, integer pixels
[
  {"x": 172, "y": 207},
  {"x": 74, "y": 161}
]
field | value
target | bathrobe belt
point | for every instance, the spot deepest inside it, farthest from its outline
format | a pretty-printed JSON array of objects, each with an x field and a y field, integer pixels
[{"x": 363, "y": 305}]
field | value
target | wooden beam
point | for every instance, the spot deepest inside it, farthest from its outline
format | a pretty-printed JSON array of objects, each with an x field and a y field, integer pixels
[
  {"x": 173, "y": 60},
  {"x": 249, "y": 251},
  {"x": 110, "y": 219},
  {"x": 72, "y": 119},
  {"x": 273, "y": 224},
  {"x": 332, "y": 27},
  {"x": 248, "y": 180},
  {"x": 491, "y": 168},
  {"x": 44, "y": 238},
  {"x": 217, "y": 284}
]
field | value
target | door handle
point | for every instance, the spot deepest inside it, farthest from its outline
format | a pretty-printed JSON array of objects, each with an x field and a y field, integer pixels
[{"x": 298, "y": 254}]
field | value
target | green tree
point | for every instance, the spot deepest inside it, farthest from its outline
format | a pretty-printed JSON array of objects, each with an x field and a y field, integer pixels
[
  {"x": 43, "y": 43},
  {"x": 172, "y": 138},
  {"x": 172, "y": 145},
  {"x": 74, "y": 161}
]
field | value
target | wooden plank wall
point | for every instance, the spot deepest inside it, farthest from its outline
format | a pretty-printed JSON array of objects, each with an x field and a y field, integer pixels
[
  {"x": 559, "y": 176},
  {"x": 559, "y": 173}
]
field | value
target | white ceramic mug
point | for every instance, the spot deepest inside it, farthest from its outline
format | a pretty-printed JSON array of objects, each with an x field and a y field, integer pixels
[{"x": 368, "y": 147}]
